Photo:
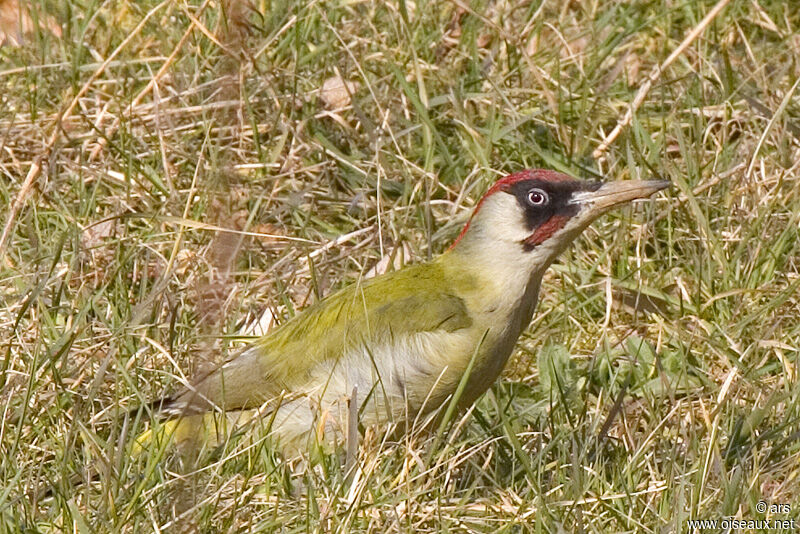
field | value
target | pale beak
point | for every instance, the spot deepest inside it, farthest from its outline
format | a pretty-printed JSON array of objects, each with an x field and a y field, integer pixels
[{"x": 613, "y": 194}]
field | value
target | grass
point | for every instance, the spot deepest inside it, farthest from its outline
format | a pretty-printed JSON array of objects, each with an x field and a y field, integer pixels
[{"x": 658, "y": 382}]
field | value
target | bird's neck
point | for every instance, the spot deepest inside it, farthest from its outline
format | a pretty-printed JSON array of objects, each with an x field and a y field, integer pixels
[
  {"x": 500, "y": 287},
  {"x": 506, "y": 277}
]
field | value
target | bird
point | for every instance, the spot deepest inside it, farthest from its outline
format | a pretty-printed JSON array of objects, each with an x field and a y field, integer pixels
[{"x": 404, "y": 344}]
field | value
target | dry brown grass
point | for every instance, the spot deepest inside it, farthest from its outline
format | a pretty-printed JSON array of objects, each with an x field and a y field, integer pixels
[{"x": 176, "y": 174}]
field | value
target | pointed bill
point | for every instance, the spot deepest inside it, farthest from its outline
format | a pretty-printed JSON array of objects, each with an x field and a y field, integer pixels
[{"x": 612, "y": 194}]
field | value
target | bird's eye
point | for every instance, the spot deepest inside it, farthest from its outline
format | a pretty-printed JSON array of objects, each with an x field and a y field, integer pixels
[{"x": 537, "y": 197}]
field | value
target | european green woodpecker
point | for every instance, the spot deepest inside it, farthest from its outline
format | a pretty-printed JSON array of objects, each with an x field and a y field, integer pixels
[{"x": 404, "y": 341}]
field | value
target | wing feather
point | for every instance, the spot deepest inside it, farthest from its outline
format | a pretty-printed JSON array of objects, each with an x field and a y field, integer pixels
[{"x": 370, "y": 313}]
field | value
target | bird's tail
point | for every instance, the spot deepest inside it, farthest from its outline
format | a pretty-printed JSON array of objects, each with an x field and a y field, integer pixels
[
  {"x": 207, "y": 429},
  {"x": 194, "y": 414},
  {"x": 178, "y": 419},
  {"x": 184, "y": 404}
]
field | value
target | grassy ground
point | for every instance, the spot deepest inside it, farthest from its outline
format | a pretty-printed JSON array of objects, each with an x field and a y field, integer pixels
[{"x": 658, "y": 382}]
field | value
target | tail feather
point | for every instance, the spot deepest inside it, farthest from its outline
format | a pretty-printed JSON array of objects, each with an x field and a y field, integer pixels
[
  {"x": 209, "y": 429},
  {"x": 169, "y": 407},
  {"x": 194, "y": 412},
  {"x": 178, "y": 418}
]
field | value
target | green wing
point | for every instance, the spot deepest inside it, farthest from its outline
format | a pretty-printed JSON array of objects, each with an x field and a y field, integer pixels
[{"x": 415, "y": 299}]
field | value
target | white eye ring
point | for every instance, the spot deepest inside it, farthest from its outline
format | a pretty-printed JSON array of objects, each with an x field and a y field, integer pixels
[{"x": 537, "y": 197}]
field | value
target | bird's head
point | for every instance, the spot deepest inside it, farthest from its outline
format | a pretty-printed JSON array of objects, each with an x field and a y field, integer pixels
[{"x": 534, "y": 214}]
